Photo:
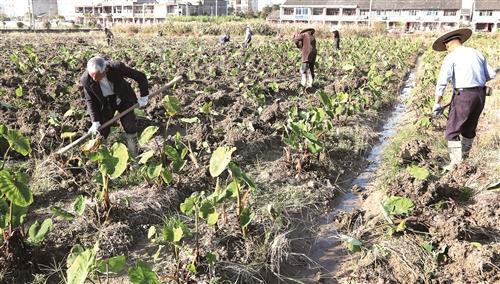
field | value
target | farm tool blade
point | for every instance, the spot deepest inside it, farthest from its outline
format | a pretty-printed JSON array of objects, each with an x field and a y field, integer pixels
[{"x": 118, "y": 116}]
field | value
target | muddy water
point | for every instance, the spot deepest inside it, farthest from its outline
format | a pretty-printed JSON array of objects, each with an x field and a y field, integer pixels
[{"x": 327, "y": 250}]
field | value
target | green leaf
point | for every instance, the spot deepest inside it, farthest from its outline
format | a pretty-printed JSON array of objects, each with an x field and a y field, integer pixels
[
  {"x": 171, "y": 152},
  {"x": 81, "y": 263},
  {"x": 246, "y": 217},
  {"x": 147, "y": 134},
  {"x": 166, "y": 176},
  {"x": 4, "y": 212},
  {"x": 18, "y": 215},
  {"x": 177, "y": 234},
  {"x": 191, "y": 120},
  {"x": 61, "y": 213},
  {"x": 239, "y": 174},
  {"x": 232, "y": 190},
  {"x": 79, "y": 204},
  {"x": 37, "y": 231},
  {"x": 68, "y": 135},
  {"x": 146, "y": 156},
  {"x": 114, "y": 264},
  {"x": 417, "y": 172},
  {"x": 396, "y": 205},
  {"x": 19, "y": 91},
  {"x": 212, "y": 218},
  {"x": 17, "y": 141},
  {"x": 15, "y": 188},
  {"x": 171, "y": 105},
  {"x": 191, "y": 267},
  {"x": 211, "y": 258},
  {"x": 220, "y": 159},
  {"x": 188, "y": 205},
  {"x": 428, "y": 247},
  {"x": 154, "y": 170},
  {"x": 206, "y": 108},
  {"x": 401, "y": 226},
  {"x": 142, "y": 273},
  {"x": 114, "y": 162},
  {"x": 352, "y": 244}
]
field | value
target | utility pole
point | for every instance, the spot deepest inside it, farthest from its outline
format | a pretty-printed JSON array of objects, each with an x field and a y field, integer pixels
[
  {"x": 370, "y": 14},
  {"x": 216, "y": 9}
]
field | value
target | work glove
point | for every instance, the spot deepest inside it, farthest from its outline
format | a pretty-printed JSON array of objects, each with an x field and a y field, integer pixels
[
  {"x": 95, "y": 127},
  {"x": 437, "y": 109},
  {"x": 142, "y": 101}
]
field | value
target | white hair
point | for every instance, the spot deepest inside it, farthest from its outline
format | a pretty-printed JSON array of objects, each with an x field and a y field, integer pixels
[{"x": 96, "y": 65}]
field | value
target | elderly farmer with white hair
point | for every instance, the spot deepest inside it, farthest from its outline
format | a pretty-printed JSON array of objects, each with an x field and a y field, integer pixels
[
  {"x": 106, "y": 91},
  {"x": 468, "y": 70}
]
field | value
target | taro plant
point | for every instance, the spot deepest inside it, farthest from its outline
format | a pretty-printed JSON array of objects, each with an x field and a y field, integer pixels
[
  {"x": 14, "y": 141},
  {"x": 112, "y": 163},
  {"x": 83, "y": 264},
  {"x": 397, "y": 206},
  {"x": 142, "y": 273},
  {"x": 170, "y": 234}
]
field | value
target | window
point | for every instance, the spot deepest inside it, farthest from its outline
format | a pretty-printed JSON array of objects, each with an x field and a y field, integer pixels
[
  {"x": 364, "y": 12},
  {"x": 349, "y": 12},
  {"x": 317, "y": 11},
  {"x": 396, "y": 12},
  {"x": 302, "y": 11},
  {"x": 450, "y": 12},
  {"x": 431, "y": 13},
  {"x": 332, "y": 12},
  {"x": 288, "y": 11},
  {"x": 412, "y": 12},
  {"x": 486, "y": 13},
  {"x": 380, "y": 13}
]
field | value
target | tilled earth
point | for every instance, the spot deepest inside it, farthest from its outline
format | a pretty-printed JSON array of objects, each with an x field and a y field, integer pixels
[{"x": 240, "y": 117}]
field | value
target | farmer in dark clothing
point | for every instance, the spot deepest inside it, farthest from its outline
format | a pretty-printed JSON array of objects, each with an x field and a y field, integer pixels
[
  {"x": 106, "y": 91},
  {"x": 306, "y": 42},
  {"x": 336, "y": 39},
  {"x": 109, "y": 36},
  {"x": 224, "y": 39},
  {"x": 468, "y": 70}
]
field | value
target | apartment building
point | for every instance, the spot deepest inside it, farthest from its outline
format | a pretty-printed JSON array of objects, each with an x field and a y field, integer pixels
[
  {"x": 108, "y": 12},
  {"x": 486, "y": 15},
  {"x": 412, "y": 15}
]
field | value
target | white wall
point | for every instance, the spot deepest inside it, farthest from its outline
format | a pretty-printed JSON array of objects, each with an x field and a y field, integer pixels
[{"x": 66, "y": 8}]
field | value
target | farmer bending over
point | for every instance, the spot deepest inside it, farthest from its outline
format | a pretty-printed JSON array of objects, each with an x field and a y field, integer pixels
[
  {"x": 106, "y": 91},
  {"x": 224, "y": 39},
  {"x": 306, "y": 42},
  {"x": 468, "y": 70}
]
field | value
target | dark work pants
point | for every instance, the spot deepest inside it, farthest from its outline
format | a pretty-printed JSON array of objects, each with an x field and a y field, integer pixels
[
  {"x": 465, "y": 111},
  {"x": 128, "y": 121},
  {"x": 336, "y": 43}
]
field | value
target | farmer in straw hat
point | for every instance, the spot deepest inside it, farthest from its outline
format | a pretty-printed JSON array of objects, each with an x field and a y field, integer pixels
[
  {"x": 468, "y": 70},
  {"x": 306, "y": 42},
  {"x": 106, "y": 91}
]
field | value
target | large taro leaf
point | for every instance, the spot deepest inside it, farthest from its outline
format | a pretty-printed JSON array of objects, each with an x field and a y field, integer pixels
[
  {"x": 112, "y": 162},
  {"x": 147, "y": 134},
  {"x": 142, "y": 273},
  {"x": 220, "y": 159},
  {"x": 417, "y": 172},
  {"x": 15, "y": 188},
  {"x": 113, "y": 264},
  {"x": 17, "y": 141},
  {"x": 397, "y": 205},
  {"x": 171, "y": 105},
  {"x": 37, "y": 231},
  {"x": 79, "y": 264}
]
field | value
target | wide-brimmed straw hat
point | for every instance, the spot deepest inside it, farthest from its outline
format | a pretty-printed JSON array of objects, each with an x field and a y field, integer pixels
[
  {"x": 463, "y": 34},
  {"x": 308, "y": 30}
]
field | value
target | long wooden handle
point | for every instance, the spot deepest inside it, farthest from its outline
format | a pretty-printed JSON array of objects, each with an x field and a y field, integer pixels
[{"x": 114, "y": 119}]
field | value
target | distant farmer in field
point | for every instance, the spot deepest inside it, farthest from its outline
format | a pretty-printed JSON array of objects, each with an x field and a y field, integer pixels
[
  {"x": 248, "y": 36},
  {"x": 109, "y": 36},
  {"x": 336, "y": 38},
  {"x": 106, "y": 91},
  {"x": 306, "y": 42},
  {"x": 224, "y": 39},
  {"x": 468, "y": 70}
]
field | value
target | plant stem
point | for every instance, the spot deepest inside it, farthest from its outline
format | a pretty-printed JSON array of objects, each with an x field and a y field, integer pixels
[
  {"x": 10, "y": 221},
  {"x": 5, "y": 157}
]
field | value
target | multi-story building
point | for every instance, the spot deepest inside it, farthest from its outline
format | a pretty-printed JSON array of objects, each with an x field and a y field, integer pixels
[
  {"x": 413, "y": 15},
  {"x": 107, "y": 12},
  {"x": 486, "y": 16},
  {"x": 39, "y": 8},
  {"x": 244, "y": 6}
]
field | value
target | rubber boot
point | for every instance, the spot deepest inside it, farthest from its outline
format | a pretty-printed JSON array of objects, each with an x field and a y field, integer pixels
[
  {"x": 466, "y": 146},
  {"x": 131, "y": 140},
  {"x": 455, "y": 150},
  {"x": 309, "y": 80},
  {"x": 303, "y": 79}
]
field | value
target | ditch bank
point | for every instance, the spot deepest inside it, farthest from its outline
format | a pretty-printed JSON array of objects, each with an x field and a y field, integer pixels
[{"x": 328, "y": 250}]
